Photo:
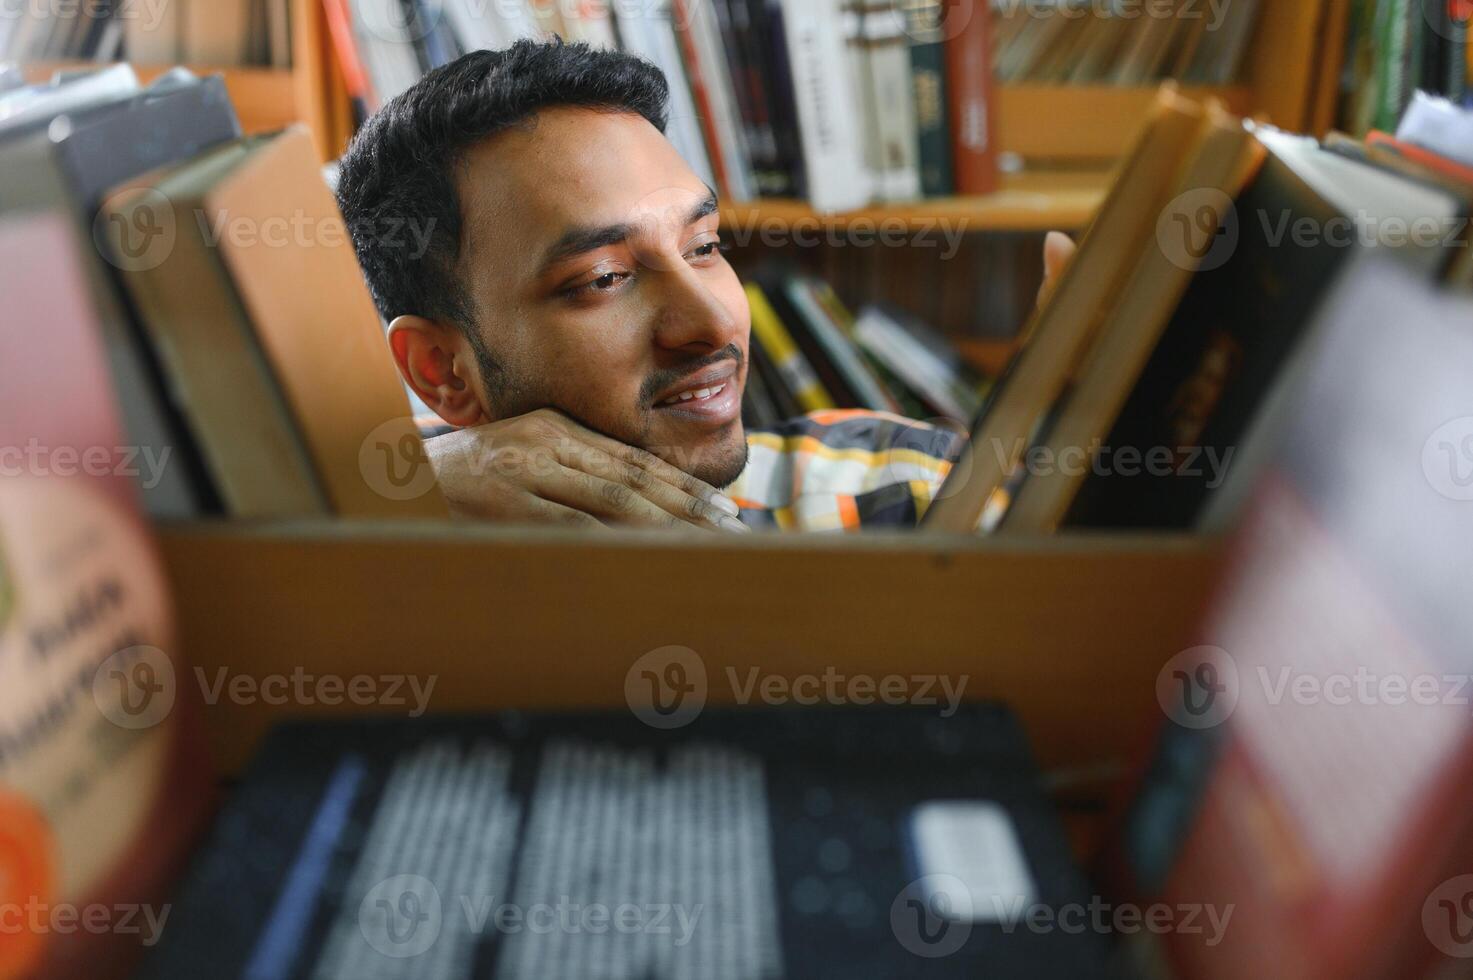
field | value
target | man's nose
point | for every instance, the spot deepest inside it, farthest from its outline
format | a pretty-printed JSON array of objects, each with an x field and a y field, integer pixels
[{"x": 692, "y": 318}]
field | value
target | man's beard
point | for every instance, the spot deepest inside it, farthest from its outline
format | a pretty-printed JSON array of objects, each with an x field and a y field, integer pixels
[{"x": 505, "y": 388}]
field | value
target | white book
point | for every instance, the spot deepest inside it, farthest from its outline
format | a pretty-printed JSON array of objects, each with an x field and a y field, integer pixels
[
  {"x": 647, "y": 32},
  {"x": 828, "y": 111},
  {"x": 726, "y": 118},
  {"x": 151, "y": 33},
  {"x": 895, "y": 153},
  {"x": 1438, "y": 125},
  {"x": 76, "y": 93}
]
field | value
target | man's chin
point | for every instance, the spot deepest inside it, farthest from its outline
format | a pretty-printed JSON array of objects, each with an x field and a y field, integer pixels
[{"x": 718, "y": 461}]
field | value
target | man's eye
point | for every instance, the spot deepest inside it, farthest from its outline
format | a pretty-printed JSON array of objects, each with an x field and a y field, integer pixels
[
  {"x": 606, "y": 283},
  {"x": 709, "y": 249}
]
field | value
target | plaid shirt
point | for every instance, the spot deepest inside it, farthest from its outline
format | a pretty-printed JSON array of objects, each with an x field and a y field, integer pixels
[
  {"x": 843, "y": 471},
  {"x": 834, "y": 471}
]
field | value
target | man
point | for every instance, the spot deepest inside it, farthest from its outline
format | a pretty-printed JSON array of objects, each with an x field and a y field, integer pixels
[{"x": 573, "y": 319}]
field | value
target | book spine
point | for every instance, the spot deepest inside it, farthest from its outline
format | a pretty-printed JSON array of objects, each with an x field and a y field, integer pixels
[
  {"x": 705, "y": 62},
  {"x": 355, "y": 78},
  {"x": 827, "y": 113},
  {"x": 776, "y": 180},
  {"x": 971, "y": 85},
  {"x": 897, "y": 168},
  {"x": 772, "y": 33},
  {"x": 793, "y": 368},
  {"x": 685, "y": 121},
  {"x": 930, "y": 97}
]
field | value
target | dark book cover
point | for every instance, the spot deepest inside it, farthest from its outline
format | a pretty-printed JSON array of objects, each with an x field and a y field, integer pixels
[
  {"x": 832, "y": 378},
  {"x": 768, "y": 17},
  {"x": 928, "y": 79},
  {"x": 1217, "y": 361},
  {"x": 782, "y": 397}
]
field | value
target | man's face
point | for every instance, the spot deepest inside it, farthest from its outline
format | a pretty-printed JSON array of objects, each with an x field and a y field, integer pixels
[{"x": 591, "y": 252}]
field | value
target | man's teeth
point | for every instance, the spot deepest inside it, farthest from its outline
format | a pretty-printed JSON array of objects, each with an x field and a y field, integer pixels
[{"x": 695, "y": 395}]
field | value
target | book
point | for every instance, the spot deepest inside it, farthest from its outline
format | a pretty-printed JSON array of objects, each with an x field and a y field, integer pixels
[
  {"x": 104, "y": 786},
  {"x": 203, "y": 339},
  {"x": 1060, "y": 330},
  {"x": 318, "y": 329},
  {"x": 66, "y": 173},
  {"x": 1239, "y": 325},
  {"x": 795, "y": 373},
  {"x": 888, "y": 104},
  {"x": 710, "y": 81},
  {"x": 1110, "y": 371},
  {"x": 1439, "y": 126},
  {"x": 929, "y": 93},
  {"x": 972, "y": 97},
  {"x": 836, "y": 347},
  {"x": 1312, "y": 769},
  {"x": 936, "y": 377},
  {"x": 1434, "y": 164},
  {"x": 828, "y": 113}
]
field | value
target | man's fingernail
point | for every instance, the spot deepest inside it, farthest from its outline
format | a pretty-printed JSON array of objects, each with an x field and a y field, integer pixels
[
  {"x": 732, "y": 524},
  {"x": 725, "y": 504}
]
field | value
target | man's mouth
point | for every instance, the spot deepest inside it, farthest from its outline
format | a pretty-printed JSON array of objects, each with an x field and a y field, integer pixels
[
  {"x": 695, "y": 395},
  {"x": 710, "y": 397}
]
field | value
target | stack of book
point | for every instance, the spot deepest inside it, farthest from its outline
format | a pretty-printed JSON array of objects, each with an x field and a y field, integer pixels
[
  {"x": 1076, "y": 42},
  {"x": 1180, "y": 321},
  {"x": 219, "y": 33},
  {"x": 838, "y": 101},
  {"x": 212, "y": 264},
  {"x": 1396, "y": 47},
  {"x": 810, "y": 353}
]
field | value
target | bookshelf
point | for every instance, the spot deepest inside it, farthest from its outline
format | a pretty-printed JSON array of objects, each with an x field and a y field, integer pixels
[{"x": 267, "y": 99}]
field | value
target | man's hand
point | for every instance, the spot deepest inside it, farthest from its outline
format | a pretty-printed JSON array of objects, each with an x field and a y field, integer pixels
[
  {"x": 544, "y": 468},
  {"x": 1058, "y": 249}
]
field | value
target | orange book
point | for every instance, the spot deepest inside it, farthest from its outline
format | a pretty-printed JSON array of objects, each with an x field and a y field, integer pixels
[
  {"x": 970, "y": 82},
  {"x": 1435, "y": 162}
]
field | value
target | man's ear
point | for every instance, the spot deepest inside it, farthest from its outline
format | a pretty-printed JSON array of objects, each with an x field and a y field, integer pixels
[{"x": 437, "y": 362}]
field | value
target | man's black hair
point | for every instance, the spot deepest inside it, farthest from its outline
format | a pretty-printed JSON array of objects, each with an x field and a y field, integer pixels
[{"x": 399, "y": 172}]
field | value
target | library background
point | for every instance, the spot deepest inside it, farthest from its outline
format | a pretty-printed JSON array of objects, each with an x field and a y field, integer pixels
[{"x": 1171, "y": 677}]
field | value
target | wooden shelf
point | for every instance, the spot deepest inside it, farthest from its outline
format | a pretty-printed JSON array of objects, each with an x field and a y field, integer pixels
[
  {"x": 1086, "y": 122},
  {"x": 1039, "y": 201},
  {"x": 543, "y": 619},
  {"x": 264, "y": 98}
]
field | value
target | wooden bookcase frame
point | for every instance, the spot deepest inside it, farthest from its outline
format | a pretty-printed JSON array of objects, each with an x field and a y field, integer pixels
[{"x": 1071, "y": 631}]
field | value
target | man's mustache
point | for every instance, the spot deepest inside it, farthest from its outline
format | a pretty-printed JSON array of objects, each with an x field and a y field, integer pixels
[{"x": 660, "y": 381}]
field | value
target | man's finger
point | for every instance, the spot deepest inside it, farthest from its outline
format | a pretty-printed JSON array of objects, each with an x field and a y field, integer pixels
[
  {"x": 610, "y": 500},
  {"x": 649, "y": 463}
]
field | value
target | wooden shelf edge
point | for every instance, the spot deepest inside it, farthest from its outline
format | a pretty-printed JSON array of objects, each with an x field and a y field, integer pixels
[
  {"x": 504, "y": 618},
  {"x": 1026, "y": 202}
]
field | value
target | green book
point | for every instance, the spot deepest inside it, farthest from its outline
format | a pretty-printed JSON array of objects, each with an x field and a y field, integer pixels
[{"x": 928, "y": 79}]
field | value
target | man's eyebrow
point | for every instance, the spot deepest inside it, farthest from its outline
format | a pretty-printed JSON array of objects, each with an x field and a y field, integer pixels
[{"x": 579, "y": 241}]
